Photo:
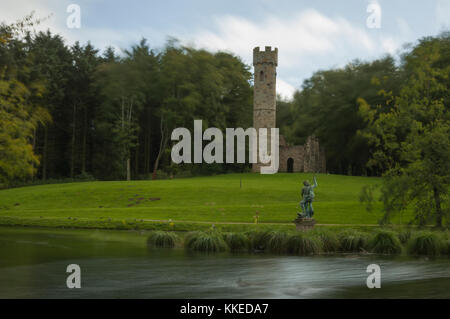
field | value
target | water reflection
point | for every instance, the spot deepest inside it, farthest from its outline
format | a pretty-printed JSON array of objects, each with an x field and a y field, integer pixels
[{"x": 118, "y": 265}]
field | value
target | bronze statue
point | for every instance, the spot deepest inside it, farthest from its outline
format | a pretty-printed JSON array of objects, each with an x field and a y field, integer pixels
[{"x": 307, "y": 199}]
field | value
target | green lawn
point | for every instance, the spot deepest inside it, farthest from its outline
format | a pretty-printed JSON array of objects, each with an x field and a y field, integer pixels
[{"x": 217, "y": 199}]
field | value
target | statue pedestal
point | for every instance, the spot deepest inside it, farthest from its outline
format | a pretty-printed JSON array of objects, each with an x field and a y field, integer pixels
[{"x": 304, "y": 224}]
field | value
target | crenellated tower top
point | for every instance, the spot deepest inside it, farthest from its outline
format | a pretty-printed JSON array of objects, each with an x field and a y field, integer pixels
[{"x": 268, "y": 56}]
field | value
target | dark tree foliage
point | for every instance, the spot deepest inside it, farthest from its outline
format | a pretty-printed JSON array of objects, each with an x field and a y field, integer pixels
[
  {"x": 328, "y": 107},
  {"x": 110, "y": 115}
]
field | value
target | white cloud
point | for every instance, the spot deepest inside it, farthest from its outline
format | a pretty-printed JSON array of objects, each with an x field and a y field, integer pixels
[
  {"x": 11, "y": 11},
  {"x": 284, "y": 89},
  {"x": 404, "y": 28},
  {"x": 306, "y": 32},
  {"x": 52, "y": 13},
  {"x": 389, "y": 45},
  {"x": 307, "y": 41},
  {"x": 55, "y": 15},
  {"x": 442, "y": 15}
]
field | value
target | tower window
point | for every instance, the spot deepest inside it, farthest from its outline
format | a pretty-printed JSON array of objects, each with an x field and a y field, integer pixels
[{"x": 261, "y": 76}]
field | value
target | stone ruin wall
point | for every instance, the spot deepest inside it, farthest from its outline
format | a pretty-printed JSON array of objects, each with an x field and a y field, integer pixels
[
  {"x": 297, "y": 153},
  {"x": 307, "y": 158},
  {"x": 314, "y": 158}
]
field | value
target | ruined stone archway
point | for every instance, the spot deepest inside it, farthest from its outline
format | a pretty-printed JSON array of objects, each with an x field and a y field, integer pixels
[{"x": 290, "y": 165}]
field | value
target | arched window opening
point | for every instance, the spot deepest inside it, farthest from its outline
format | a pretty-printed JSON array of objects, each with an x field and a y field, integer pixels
[{"x": 261, "y": 76}]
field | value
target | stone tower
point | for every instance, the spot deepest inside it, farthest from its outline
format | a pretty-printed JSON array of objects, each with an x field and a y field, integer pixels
[
  {"x": 309, "y": 158},
  {"x": 264, "y": 97}
]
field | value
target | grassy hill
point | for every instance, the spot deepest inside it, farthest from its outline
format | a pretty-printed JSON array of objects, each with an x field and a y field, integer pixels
[{"x": 217, "y": 199}]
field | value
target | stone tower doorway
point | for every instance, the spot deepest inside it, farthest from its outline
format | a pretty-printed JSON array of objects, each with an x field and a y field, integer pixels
[{"x": 290, "y": 165}]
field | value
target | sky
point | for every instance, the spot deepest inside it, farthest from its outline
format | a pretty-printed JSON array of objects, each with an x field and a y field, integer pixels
[{"x": 309, "y": 35}]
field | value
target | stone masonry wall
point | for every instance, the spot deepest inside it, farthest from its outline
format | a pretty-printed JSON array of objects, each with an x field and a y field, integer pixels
[
  {"x": 297, "y": 153},
  {"x": 306, "y": 158},
  {"x": 264, "y": 97}
]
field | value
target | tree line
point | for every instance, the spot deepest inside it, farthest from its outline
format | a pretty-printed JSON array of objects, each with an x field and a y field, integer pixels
[
  {"x": 69, "y": 111},
  {"x": 384, "y": 118},
  {"x": 110, "y": 116},
  {"x": 341, "y": 106}
]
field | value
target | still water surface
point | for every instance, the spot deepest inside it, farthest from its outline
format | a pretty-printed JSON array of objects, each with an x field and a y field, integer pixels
[{"x": 117, "y": 264}]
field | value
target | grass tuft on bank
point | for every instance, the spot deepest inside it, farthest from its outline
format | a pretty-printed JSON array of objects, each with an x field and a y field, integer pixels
[
  {"x": 209, "y": 242},
  {"x": 162, "y": 239},
  {"x": 426, "y": 243},
  {"x": 237, "y": 241},
  {"x": 318, "y": 241},
  {"x": 353, "y": 241},
  {"x": 385, "y": 242}
]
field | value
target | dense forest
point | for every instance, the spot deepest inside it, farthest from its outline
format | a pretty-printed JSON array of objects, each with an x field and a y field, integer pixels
[
  {"x": 344, "y": 107},
  {"x": 76, "y": 111},
  {"x": 109, "y": 116}
]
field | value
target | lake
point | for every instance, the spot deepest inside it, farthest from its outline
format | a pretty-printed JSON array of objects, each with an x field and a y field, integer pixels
[{"x": 118, "y": 264}]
